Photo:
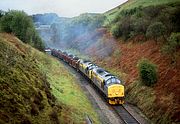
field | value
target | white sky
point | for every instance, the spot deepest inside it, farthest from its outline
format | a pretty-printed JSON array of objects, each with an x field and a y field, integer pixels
[{"x": 66, "y": 8}]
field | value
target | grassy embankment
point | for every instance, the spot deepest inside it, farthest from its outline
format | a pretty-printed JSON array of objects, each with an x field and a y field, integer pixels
[
  {"x": 65, "y": 89},
  {"x": 36, "y": 88}
]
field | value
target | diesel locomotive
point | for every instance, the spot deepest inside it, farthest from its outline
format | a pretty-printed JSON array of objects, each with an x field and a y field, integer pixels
[{"x": 108, "y": 84}]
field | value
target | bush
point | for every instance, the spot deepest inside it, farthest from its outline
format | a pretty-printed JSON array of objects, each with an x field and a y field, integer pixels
[
  {"x": 155, "y": 30},
  {"x": 123, "y": 28},
  {"x": 172, "y": 45},
  {"x": 147, "y": 72},
  {"x": 153, "y": 11},
  {"x": 21, "y": 25},
  {"x": 116, "y": 30},
  {"x": 140, "y": 25}
]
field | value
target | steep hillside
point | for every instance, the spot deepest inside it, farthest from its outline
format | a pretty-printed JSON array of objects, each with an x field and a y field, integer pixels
[
  {"x": 131, "y": 4},
  {"x": 36, "y": 88},
  {"x": 161, "y": 102},
  {"x": 25, "y": 91}
]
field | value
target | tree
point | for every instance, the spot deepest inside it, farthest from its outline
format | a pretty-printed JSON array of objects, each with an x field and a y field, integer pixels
[
  {"x": 155, "y": 30},
  {"x": 1, "y": 13},
  {"x": 147, "y": 72},
  {"x": 21, "y": 25},
  {"x": 6, "y": 23},
  {"x": 122, "y": 28}
]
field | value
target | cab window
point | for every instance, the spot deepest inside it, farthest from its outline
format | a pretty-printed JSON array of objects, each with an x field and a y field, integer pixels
[
  {"x": 108, "y": 82},
  {"x": 112, "y": 81}
]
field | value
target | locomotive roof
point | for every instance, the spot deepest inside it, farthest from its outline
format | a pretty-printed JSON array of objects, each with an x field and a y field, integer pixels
[
  {"x": 92, "y": 66},
  {"x": 87, "y": 63},
  {"x": 100, "y": 71},
  {"x": 108, "y": 77},
  {"x": 105, "y": 75}
]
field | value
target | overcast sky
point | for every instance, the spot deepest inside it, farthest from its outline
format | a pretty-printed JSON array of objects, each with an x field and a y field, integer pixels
[{"x": 66, "y": 8}]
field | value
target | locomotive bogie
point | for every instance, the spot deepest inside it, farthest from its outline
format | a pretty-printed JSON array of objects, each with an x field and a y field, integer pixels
[{"x": 115, "y": 101}]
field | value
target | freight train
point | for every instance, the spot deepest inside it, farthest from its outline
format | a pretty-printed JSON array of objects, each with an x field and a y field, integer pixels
[{"x": 109, "y": 85}]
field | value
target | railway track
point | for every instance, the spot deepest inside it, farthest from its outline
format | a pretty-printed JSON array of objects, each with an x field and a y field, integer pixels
[{"x": 125, "y": 115}]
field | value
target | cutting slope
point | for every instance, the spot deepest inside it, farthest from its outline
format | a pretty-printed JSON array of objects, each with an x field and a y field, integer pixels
[
  {"x": 24, "y": 90},
  {"x": 27, "y": 78}
]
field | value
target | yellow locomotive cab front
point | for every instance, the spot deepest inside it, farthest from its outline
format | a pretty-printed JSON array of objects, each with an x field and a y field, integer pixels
[{"x": 116, "y": 94}]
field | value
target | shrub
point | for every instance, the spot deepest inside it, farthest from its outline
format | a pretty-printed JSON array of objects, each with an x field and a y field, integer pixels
[
  {"x": 153, "y": 11},
  {"x": 147, "y": 72},
  {"x": 155, "y": 30},
  {"x": 123, "y": 28},
  {"x": 116, "y": 30},
  {"x": 126, "y": 27},
  {"x": 140, "y": 25},
  {"x": 172, "y": 45}
]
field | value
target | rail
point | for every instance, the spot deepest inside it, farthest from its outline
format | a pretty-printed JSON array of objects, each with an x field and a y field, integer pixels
[
  {"x": 88, "y": 120},
  {"x": 125, "y": 115}
]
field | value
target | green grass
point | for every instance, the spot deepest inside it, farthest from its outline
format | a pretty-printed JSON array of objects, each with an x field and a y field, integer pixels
[
  {"x": 144, "y": 3},
  {"x": 67, "y": 91},
  {"x": 132, "y": 4}
]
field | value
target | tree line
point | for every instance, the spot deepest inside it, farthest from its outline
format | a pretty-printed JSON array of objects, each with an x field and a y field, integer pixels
[
  {"x": 21, "y": 25},
  {"x": 159, "y": 22},
  {"x": 152, "y": 21}
]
